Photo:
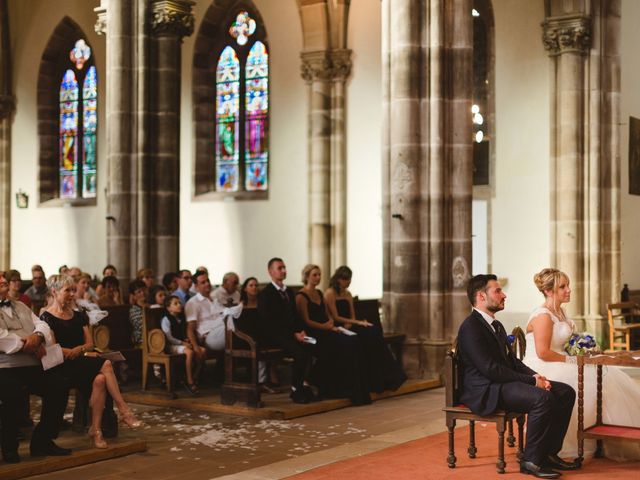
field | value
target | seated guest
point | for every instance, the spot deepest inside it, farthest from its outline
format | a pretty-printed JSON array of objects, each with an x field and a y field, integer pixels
[
  {"x": 63, "y": 270},
  {"x": 108, "y": 271},
  {"x": 184, "y": 284},
  {"x": 75, "y": 273},
  {"x": 146, "y": 275},
  {"x": 341, "y": 369},
  {"x": 170, "y": 281},
  {"x": 84, "y": 292},
  {"x": 15, "y": 285},
  {"x": 94, "y": 376},
  {"x": 23, "y": 337},
  {"x": 110, "y": 296},
  {"x": 138, "y": 296},
  {"x": 227, "y": 294},
  {"x": 37, "y": 292},
  {"x": 174, "y": 328},
  {"x": 384, "y": 371},
  {"x": 276, "y": 304},
  {"x": 253, "y": 325},
  {"x": 157, "y": 296},
  {"x": 205, "y": 326}
]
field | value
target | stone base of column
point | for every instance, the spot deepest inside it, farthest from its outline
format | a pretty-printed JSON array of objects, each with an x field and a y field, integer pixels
[
  {"x": 598, "y": 326},
  {"x": 423, "y": 358}
]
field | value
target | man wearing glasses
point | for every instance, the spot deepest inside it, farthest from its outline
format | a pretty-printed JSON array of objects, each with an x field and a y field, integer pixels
[
  {"x": 37, "y": 292},
  {"x": 184, "y": 285}
]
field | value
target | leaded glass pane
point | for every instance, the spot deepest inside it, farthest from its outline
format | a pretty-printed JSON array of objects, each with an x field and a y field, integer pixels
[
  {"x": 90, "y": 124},
  {"x": 68, "y": 135},
  {"x": 256, "y": 118},
  {"x": 227, "y": 121}
]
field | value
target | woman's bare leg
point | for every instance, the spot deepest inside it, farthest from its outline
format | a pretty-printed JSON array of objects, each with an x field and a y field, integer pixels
[
  {"x": 96, "y": 402},
  {"x": 112, "y": 386},
  {"x": 189, "y": 364}
]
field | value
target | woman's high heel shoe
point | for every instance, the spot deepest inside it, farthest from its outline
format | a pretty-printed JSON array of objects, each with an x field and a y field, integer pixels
[
  {"x": 130, "y": 420},
  {"x": 97, "y": 438}
]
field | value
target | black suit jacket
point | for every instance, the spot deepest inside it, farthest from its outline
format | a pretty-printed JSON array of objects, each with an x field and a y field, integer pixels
[
  {"x": 486, "y": 365},
  {"x": 279, "y": 314}
]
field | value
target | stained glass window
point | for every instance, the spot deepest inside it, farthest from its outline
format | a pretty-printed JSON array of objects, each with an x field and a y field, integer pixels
[
  {"x": 78, "y": 125},
  {"x": 242, "y": 110},
  {"x": 257, "y": 108}
]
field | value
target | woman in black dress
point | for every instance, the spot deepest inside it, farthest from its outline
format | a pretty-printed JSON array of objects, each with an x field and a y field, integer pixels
[
  {"x": 340, "y": 370},
  {"x": 85, "y": 370},
  {"x": 384, "y": 371}
]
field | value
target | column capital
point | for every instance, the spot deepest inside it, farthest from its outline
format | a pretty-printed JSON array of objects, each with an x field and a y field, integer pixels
[
  {"x": 325, "y": 65},
  {"x": 7, "y": 106},
  {"x": 172, "y": 17},
  {"x": 567, "y": 34},
  {"x": 101, "y": 23}
]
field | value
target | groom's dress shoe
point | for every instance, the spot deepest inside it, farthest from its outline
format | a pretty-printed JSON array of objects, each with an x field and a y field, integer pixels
[
  {"x": 530, "y": 468},
  {"x": 554, "y": 461}
]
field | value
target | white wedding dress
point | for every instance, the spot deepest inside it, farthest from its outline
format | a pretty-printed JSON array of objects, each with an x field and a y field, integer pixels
[{"x": 621, "y": 394}]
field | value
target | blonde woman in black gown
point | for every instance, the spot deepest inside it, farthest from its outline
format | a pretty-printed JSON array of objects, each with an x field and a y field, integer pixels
[{"x": 82, "y": 366}]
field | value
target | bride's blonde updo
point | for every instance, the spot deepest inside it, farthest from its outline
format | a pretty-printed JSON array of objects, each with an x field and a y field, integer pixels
[{"x": 548, "y": 279}]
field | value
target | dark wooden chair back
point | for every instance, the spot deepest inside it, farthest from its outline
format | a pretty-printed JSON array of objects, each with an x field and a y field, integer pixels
[
  {"x": 119, "y": 327},
  {"x": 452, "y": 376}
]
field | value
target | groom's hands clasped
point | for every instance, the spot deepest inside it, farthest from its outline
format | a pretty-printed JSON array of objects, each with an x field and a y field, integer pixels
[{"x": 542, "y": 382}]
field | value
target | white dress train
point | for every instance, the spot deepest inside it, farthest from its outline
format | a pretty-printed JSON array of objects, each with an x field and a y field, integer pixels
[{"x": 621, "y": 394}]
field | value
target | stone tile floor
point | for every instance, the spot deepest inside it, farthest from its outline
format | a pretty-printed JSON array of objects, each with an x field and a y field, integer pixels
[{"x": 192, "y": 445}]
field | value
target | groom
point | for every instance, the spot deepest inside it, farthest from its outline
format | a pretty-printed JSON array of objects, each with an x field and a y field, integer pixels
[{"x": 493, "y": 378}]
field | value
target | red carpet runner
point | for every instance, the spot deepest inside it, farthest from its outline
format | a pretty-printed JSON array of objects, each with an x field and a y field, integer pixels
[{"x": 426, "y": 458}]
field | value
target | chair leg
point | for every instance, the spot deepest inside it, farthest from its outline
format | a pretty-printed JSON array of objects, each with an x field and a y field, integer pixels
[
  {"x": 500, "y": 464},
  {"x": 169, "y": 377},
  {"x": 451, "y": 459},
  {"x": 472, "y": 450},
  {"x": 520, "y": 421},
  {"x": 145, "y": 371},
  {"x": 511, "y": 440}
]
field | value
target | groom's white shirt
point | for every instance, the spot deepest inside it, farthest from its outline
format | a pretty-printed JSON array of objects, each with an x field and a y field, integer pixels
[{"x": 488, "y": 318}]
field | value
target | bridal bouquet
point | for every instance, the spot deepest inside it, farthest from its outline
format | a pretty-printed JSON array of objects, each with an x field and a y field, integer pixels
[{"x": 581, "y": 344}]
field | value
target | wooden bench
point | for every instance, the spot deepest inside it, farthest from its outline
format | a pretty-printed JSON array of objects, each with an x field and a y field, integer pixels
[
  {"x": 370, "y": 310},
  {"x": 454, "y": 411},
  {"x": 239, "y": 345}
]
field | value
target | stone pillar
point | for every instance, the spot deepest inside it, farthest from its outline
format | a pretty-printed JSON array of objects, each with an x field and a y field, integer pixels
[
  {"x": 7, "y": 106},
  {"x": 118, "y": 22},
  {"x": 315, "y": 66},
  {"x": 585, "y": 154},
  {"x": 341, "y": 69},
  {"x": 171, "y": 21},
  {"x": 427, "y": 183}
]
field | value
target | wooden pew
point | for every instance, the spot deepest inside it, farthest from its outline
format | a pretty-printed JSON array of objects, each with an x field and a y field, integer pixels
[{"x": 239, "y": 345}]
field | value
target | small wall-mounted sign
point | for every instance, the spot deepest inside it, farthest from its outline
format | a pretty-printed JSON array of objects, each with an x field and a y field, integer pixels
[{"x": 22, "y": 199}]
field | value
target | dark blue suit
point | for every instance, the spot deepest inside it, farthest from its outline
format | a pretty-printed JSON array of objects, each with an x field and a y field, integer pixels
[{"x": 492, "y": 378}]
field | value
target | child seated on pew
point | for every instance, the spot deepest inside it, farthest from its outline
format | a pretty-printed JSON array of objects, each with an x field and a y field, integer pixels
[{"x": 174, "y": 327}]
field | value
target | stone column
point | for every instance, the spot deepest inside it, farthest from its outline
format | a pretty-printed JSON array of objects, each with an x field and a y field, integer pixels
[
  {"x": 316, "y": 71},
  {"x": 427, "y": 165},
  {"x": 118, "y": 22},
  {"x": 583, "y": 46},
  {"x": 341, "y": 69},
  {"x": 7, "y": 106},
  {"x": 172, "y": 20}
]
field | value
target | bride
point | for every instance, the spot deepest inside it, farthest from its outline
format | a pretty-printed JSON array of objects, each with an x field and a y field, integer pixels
[{"x": 548, "y": 330}]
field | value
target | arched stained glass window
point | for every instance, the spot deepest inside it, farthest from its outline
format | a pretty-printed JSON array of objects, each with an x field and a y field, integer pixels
[
  {"x": 242, "y": 99},
  {"x": 68, "y": 135},
  {"x": 78, "y": 124}
]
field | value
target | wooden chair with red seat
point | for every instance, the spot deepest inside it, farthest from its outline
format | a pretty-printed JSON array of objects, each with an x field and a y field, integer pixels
[{"x": 454, "y": 411}]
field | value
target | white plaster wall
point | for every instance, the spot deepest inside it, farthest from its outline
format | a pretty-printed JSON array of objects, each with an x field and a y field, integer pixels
[
  {"x": 51, "y": 236},
  {"x": 520, "y": 208},
  {"x": 243, "y": 235},
  {"x": 629, "y": 106},
  {"x": 364, "y": 149}
]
